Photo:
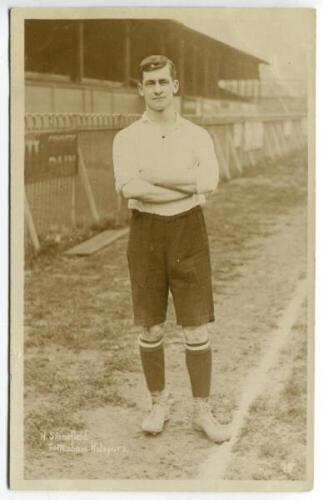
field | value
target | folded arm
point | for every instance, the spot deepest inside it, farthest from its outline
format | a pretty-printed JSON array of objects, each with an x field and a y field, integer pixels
[
  {"x": 183, "y": 180},
  {"x": 140, "y": 189},
  {"x": 158, "y": 186}
]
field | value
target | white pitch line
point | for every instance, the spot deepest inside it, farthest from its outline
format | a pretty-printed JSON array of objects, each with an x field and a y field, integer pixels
[{"x": 215, "y": 466}]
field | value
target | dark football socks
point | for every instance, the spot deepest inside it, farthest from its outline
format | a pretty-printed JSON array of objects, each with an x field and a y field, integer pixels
[
  {"x": 199, "y": 365},
  {"x": 153, "y": 363}
]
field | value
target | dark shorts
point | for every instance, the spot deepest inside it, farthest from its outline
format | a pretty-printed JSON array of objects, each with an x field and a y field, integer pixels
[{"x": 170, "y": 253}]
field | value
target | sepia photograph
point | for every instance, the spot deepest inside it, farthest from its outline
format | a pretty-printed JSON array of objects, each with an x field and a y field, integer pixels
[{"x": 162, "y": 248}]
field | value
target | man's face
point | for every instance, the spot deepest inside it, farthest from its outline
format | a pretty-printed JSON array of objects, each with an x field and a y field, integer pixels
[{"x": 157, "y": 88}]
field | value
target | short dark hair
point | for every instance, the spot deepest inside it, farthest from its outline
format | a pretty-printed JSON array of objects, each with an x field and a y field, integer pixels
[{"x": 151, "y": 63}]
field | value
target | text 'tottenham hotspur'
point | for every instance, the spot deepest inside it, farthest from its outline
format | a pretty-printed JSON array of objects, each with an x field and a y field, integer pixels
[{"x": 77, "y": 442}]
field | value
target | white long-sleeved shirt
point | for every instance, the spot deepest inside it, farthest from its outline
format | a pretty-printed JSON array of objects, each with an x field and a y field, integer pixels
[{"x": 144, "y": 145}]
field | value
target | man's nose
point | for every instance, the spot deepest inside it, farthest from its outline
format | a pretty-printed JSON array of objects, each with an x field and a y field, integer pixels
[{"x": 157, "y": 88}]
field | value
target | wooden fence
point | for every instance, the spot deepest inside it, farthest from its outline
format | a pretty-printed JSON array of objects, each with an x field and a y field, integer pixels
[{"x": 68, "y": 162}]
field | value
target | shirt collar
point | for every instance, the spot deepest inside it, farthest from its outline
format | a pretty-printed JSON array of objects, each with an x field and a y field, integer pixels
[{"x": 178, "y": 119}]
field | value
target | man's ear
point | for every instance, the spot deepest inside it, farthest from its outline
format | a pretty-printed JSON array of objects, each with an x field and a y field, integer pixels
[
  {"x": 176, "y": 86},
  {"x": 140, "y": 91}
]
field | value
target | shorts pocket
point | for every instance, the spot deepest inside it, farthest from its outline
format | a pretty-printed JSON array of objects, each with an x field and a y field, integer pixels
[{"x": 193, "y": 271}]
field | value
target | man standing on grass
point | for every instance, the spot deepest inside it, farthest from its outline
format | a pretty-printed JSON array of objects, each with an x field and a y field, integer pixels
[{"x": 163, "y": 165}]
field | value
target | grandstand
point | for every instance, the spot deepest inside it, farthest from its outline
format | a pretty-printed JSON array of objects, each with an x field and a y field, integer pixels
[{"x": 89, "y": 66}]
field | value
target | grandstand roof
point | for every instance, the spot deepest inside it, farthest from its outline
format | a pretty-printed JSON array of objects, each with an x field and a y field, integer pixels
[{"x": 110, "y": 50}]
